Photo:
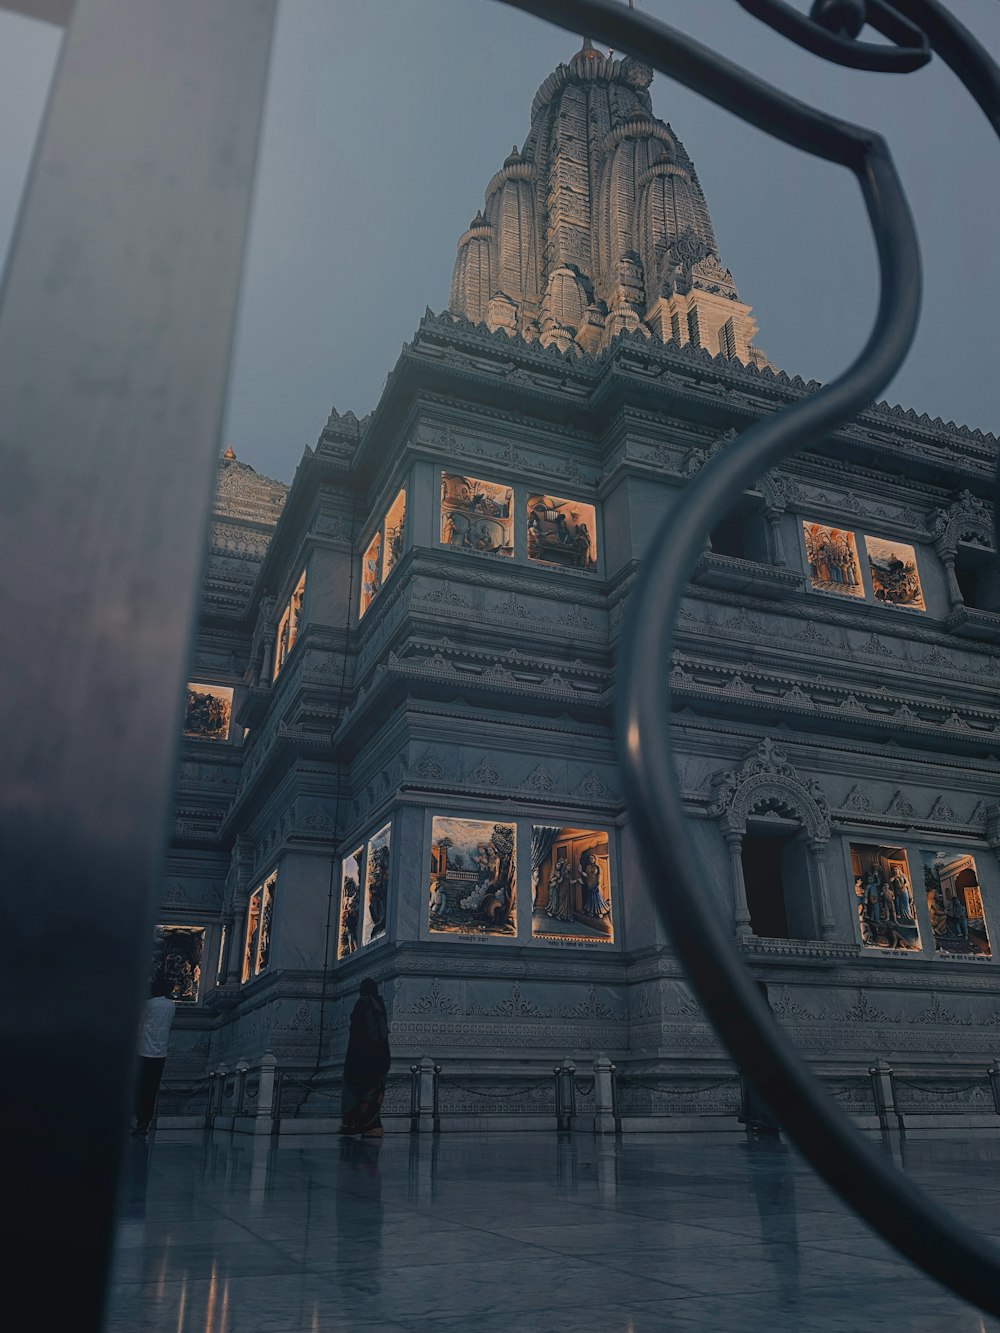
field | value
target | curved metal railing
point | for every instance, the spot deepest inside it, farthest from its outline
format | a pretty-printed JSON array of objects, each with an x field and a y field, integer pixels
[{"x": 939, "y": 1244}]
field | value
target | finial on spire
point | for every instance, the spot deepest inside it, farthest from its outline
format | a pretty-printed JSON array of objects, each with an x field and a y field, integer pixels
[{"x": 230, "y": 452}]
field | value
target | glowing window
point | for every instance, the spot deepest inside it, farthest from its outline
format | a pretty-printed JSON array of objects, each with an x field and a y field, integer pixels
[
  {"x": 350, "y": 903},
  {"x": 477, "y": 515},
  {"x": 384, "y": 551},
  {"x": 473, "y": 883},
  {"x": 893, "y": 567},
  {"x": 208, "y": 712},
  {"x": 289, "y": 625},
  {"x": 832, "y": 555},
  {"x": 885, "y": 903},
  {"x": 257, "y": 940},
  {"x": 371, "y": 572},
  {"x": 955, "y": 905},
  {"x": 177, "y": 960},
  {"x": 562, "y": 532},
  {"x": 570, "y": 884},
  {"x": 376, "y": 887}
]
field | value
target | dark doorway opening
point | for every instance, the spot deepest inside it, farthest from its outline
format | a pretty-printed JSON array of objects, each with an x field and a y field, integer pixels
[
  {"x": 976, "y": 572},
  {"x": 762, "y": 875},
  {"x": 776, "y": 876}
]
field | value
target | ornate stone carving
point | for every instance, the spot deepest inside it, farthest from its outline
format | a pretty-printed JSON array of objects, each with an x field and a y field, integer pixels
[
  {"x": 967, "y": 519},
  {"x": 899, "y": 806},
  {"x": 856, "y": 799},
  {"x": 433, "y": 1001},
  {"x": 767, "y": 781}
]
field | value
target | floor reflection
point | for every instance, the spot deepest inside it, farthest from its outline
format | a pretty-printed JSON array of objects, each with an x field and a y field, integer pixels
[{"x": 535, "y": 1233}]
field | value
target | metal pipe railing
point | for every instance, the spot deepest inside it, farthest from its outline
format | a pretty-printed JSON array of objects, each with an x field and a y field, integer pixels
[{"x": 941, "y": 1245}]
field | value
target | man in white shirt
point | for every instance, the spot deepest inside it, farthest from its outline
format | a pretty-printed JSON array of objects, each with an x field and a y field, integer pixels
[{"x": 154, "y": 1036}]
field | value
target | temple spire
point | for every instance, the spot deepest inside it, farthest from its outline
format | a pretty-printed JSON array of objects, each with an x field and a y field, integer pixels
[{"x": 598, "y": 226}]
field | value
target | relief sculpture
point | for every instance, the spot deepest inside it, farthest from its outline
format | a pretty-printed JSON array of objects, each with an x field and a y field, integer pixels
[
  {"x": 473, "y": 878},
  {"x": 955, "y": 905},
  {"x": 884, "y": 892},
  {"x": 477, "y": 515},
  {"x": 562, "y": 532},
  {"x": 570, "y": 884}
]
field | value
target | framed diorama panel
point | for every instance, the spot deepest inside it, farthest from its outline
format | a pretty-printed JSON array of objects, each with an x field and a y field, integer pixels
[
  {"x": 883, "y": 891},
  {"x": 394, "y": 532},
  {"x": 562, "y": 532},
  {"x": 289, "y": 624},
  {"x": 376, "y": 886},
  {"x": 208, "y": 712},
  {"x": 570, "y": 884},
  {"x": 348, "y": 936},
  {"x": 473, "y": 877},
  {"x": 257, "y": 937},
  {"x": 477, "y": 515},
  {"x": 894, "y": 574},
  {"x": 955, "y": 905},
  {"x": 832, "y": 557},
  {"x": 177, "y": 956},
  {"x": 371, "y": 573}
]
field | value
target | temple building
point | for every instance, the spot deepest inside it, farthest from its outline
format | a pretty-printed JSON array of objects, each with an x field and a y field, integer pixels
[{"x": 398, "y": 756}]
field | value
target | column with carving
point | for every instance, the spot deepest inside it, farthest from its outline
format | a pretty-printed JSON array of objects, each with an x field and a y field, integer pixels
[
  {"x": 773, "y": 516},
  {"x": 817, "y": 853},
  {"x": 741, "y": 909}
]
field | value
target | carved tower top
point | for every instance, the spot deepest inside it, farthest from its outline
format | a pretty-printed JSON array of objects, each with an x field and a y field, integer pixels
[{"x": 599, "y": 226}]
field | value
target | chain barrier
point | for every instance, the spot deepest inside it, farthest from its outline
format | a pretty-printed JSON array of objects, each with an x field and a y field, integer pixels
[
  {"x": 940, "y": 1089},
  {"x": 504, "y": 1095},
  {"x": 626, "y": 1081}
]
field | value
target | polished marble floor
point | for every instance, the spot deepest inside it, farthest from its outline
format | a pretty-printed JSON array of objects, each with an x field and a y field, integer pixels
[{"x": 522, "y": 1233}]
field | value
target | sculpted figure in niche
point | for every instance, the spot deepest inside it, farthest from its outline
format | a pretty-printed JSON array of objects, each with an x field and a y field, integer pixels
[
  {"x": 939, "y": 917},
  {"x": 560, "y": 904},
  {"x": 349, "y": 916},
  {"x": 594, "y": 902},
  {"x": 560, "y": 532},
  {"x": 378, "y": 883},
  {"x": 958, "y": 918},
  {"x": 473, "y": 877},
  {"x": 903, "y": 899}
]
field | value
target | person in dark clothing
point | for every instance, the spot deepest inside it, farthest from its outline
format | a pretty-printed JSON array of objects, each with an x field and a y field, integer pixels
[
  {"x": 755, "y": 1113},
  {"x": 366, "y": 1065}
]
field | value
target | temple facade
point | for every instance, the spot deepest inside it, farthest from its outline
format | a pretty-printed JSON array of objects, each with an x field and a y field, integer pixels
[{"x": 398, "y": 756}]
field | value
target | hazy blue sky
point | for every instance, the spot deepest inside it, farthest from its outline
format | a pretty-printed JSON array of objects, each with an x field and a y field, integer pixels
[{"x": 387, "y": 118}]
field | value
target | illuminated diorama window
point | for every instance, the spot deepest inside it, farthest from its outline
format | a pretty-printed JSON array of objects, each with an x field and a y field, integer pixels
[
  {"x": 208, "y": 712},
  {"x": 384, "y": 551},
  {"x": 177, "y": 958},
  {"x": 371, "y": 572},
  {"x": 955, "y": 905},
  {"x": 376, "y": 886},
  {"x": 570, "y": 884},
  {"x": 884, "y": 897},
  {"x": 257, "y": 941},
  {"x": 473, "y": 877},
  {"x": 834, "y": 567},
  {"x": 289, "y": 625},
  {"x": 562, "y": 532},
  {"x": 364, "y": 894},
  {"x": 350, "y": 902},
  {"x": 477, "y": 515},
  {"x": 893, "y": 568},
  {"x": 832, "y": 555},
  {"x": 394, "y": 530}
]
